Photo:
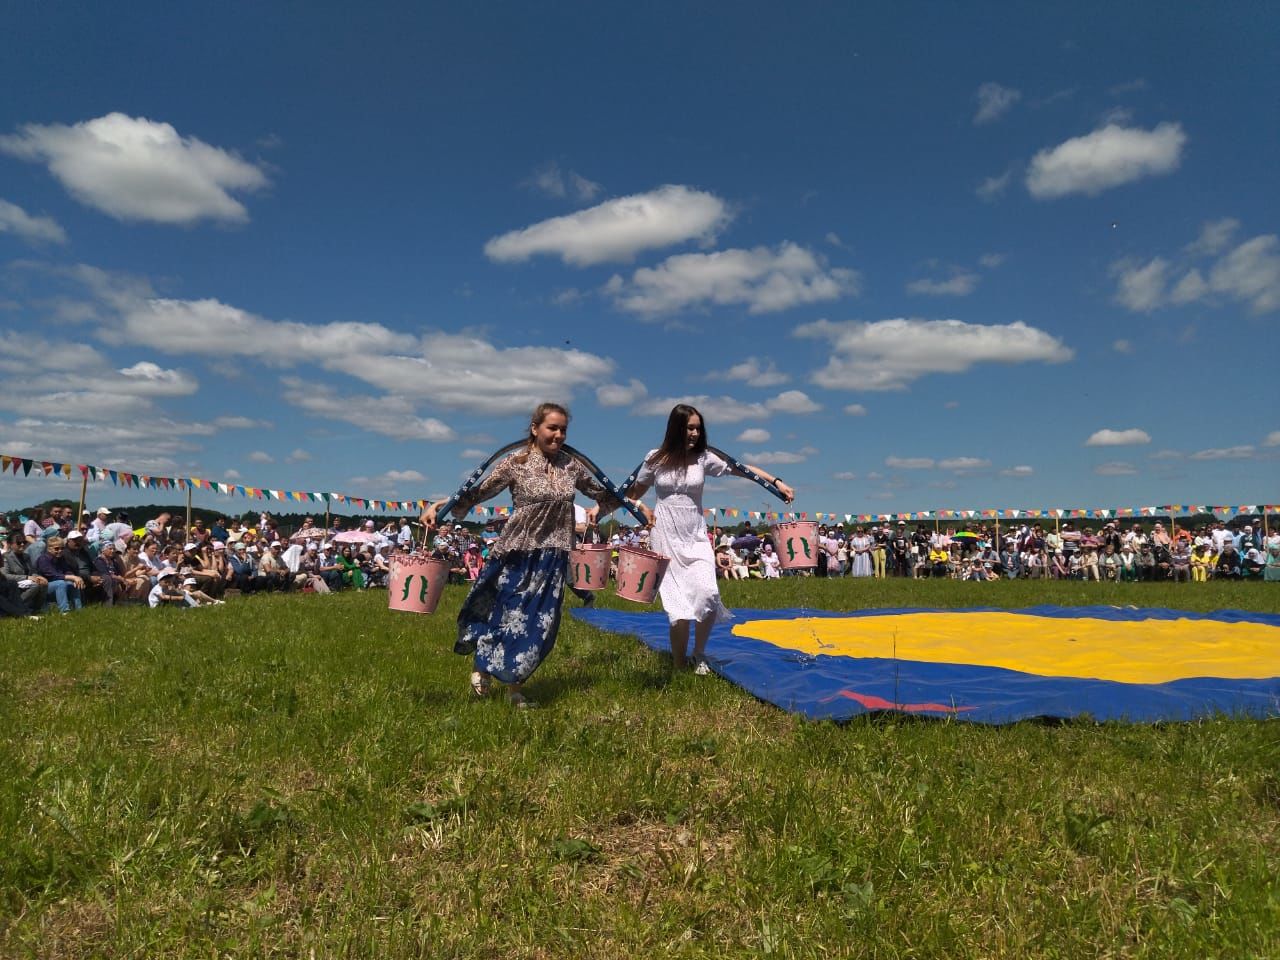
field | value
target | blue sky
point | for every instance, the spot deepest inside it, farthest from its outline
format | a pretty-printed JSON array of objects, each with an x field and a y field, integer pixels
[{"x": 909, "y": 258}]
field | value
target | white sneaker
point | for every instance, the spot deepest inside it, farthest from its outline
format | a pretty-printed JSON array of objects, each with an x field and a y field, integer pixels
[{"x": 703, "y": 669}]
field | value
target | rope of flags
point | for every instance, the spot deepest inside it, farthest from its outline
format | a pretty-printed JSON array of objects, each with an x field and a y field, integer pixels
[
  {"x": 1056, "y": 513},
  {"x": 121, "y": 478}
]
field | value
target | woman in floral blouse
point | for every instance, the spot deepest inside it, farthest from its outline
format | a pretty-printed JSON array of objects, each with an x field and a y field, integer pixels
[{"x": 510, "y": 618}]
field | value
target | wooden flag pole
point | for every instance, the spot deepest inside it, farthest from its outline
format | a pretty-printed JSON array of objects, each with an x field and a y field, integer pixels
[
  {"x": 188, "y": 511},
  {"x": 84, "y": 488}
]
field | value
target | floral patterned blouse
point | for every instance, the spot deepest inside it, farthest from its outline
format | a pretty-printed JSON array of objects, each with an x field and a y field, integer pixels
[{"x": 542, "y": 493}]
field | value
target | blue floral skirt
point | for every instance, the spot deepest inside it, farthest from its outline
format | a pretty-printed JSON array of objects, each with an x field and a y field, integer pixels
[{"x": 510, "y": 618}]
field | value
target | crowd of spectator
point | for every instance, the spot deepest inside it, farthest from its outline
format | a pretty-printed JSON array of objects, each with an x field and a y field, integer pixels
[
  {"x": 50, "y": 561},
  {"x": 1114, "y": 551}
]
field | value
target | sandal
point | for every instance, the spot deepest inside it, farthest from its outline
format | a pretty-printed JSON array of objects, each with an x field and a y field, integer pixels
[
  {"x": 519, "y": 701},
  {"x": 479, "y": 684}
]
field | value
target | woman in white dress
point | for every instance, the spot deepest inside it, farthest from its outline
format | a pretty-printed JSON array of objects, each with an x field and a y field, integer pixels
[{"x": 677, "y": 471}]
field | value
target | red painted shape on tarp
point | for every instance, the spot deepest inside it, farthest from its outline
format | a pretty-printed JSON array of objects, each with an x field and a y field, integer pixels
[{"x": 872, "y": 702}]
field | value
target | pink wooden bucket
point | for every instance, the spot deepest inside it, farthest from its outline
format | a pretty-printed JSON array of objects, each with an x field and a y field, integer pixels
[
  {"x": 416, "y": 583},
  {"x": 639, "y": 573},
  {"x": 589, "y": 566},
  {"x": 796, "y": 543}
]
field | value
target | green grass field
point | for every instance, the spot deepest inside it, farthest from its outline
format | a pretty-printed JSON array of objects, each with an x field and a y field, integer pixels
[{"x": 306, "y": 776}]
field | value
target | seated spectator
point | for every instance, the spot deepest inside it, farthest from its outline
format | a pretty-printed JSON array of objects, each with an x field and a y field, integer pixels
[
  {"x": 18, "y": 571},
  {"x": 166, "y": 592},
  {"x": 1252, "y": 563},
  {"x": 1201, "y": 561},
  {"x": 1271, "y": 572},
  {"x": 109, "y": 573},
  {"x": 1180, "y": 561},
  {"x": 770, "y": 564},
  {"x": 724, "y": 563},
  {"x": 65, "y": 585},
  {"x": 273, "y": 573},
  {"x": 1110, "y": 562},
  {"x": 352, "y": 576},
  {"x": 195, "y": 596},
  {"x": 1147, "y": 561},
  {"x": 1228, "y": 565},
  {"x": 1128, "y": 562},
  {"x": 76, "y": 553}
]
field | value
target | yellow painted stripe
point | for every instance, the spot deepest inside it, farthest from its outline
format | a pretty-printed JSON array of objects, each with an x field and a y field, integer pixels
[{"x": 1143, "y": 651}]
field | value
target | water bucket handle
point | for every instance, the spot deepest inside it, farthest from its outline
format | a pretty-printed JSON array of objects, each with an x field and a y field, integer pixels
[{"x": 605, "y": 482}]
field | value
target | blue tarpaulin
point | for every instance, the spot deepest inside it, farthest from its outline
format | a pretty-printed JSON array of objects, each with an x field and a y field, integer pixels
[{"x": 989, "y": 665}]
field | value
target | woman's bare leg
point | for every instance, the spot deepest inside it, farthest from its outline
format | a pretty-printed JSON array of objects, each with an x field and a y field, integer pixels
[
  {"x": 701, "y": 634},
  {"x": 680, "y": 643}
]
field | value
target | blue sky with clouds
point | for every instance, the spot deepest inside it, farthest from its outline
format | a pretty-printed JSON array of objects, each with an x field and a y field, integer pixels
[{"x": 908, "y": 258}]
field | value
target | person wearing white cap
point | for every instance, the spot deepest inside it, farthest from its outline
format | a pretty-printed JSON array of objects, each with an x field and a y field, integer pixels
[
  {"x": 196, "y": 563},
  {"x": 195, "y": 596},
  {"x": 166, "y": 592}
]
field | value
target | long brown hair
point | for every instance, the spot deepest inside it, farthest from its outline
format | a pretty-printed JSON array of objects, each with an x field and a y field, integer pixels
[
  {"x": 673, "y": 451},
  {"x": 540, "y": 413}
]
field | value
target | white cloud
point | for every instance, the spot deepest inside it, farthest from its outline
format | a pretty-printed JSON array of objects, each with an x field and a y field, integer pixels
[
  {"x": 1215, "y": 236},
  {"x": 466, "y": 372},
  {"x": 994, "y": 101},
  {"x": 1251, "y": 272},
  {"x": 89, "y": 405},
  {"x": 992, "y": 188},
  {"x": 752, "y": 372},
  {"x": 724, "y": 409},
  {"x": 855, "y": 410},
  {"x": 768, "y": 457},
  {"x": 231, "y": 475},
  {"x": 1141, "y": 286},
  {"x": 260, "y": 456},
  {"x": 762, "y": 280},
  {"x": 1118, "y": 438},
  {"x": 473, "y": 453},
  {"x": 754, "y": 435},
  {"x": 1189, "y": 289},
  {"x": 453, "y": 371},
  {"x": 891, "y": 354},
  {"x": 844, "y": 475},
  {"x": 242, "y": 423},
  {"x": 1122, "y": 346},
  {"x": 554, "y": 182},
  {"x": 793, "y": 402},
  {"x": 389, "y": 483},
  {"x": 617, "y": 230},
  {"x": 151, "y": 380},
  {"x": 910, "y": 463},
  {"x": 1021, "y": 470},
  {"x": 621, "y": 395},
  {"x": 963, "y": 463},
  {"x": 15, "y": 220},
  {"x": 133, "y": 168},
  {"x": 1166, "y": 455},
  {"x": 27, "y": 354},
  {"x": 298, "y": 456},
  {"x": 144, "y": 445},
  {"x": 992, "y": 260},
  {"x": 391, "y": 416},
  {"x": 1115, "y": 468},
  {"x": 1242, "y": 452},
  {"x": 1106, "y": 158},
  {"x": 1272, "y": 439},
  {"x": 961, "y": 283}
]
